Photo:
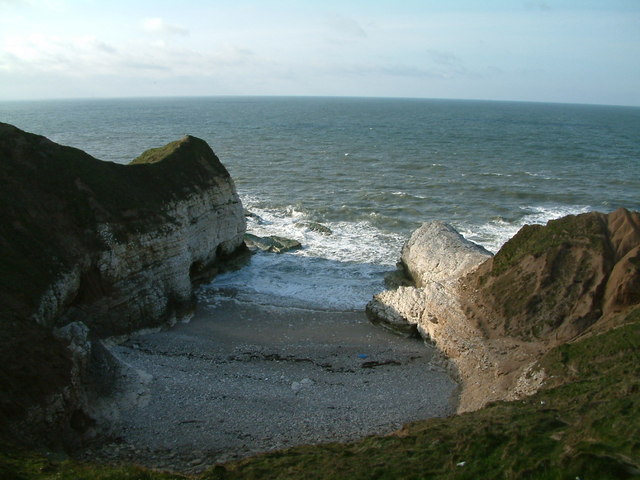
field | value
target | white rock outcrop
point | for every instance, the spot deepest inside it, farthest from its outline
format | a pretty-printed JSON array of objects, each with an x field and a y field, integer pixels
[
  {"x": 146, "y": 279},
  {"x": 436, "y": 257},
  {"x": 436, "y": 252}
]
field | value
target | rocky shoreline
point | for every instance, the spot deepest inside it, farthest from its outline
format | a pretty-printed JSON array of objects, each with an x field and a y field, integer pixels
[
  {"x": 241, "y": 379},
  {"x": 495, "y": 317},
  {"x": 97, "y": 250}
]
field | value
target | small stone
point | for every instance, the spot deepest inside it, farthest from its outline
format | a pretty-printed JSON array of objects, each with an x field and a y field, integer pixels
[
  {"x": 315, "y": 227},
  {"x": 272, "y": 243}
]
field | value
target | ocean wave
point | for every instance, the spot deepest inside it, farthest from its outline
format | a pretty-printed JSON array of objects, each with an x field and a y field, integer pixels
[
  {"x": 349, "y": 241},
  {"x": 298, "y": 281},
  {"x": 495, "y": 174},
  {"x": 539, "y": 175},
  {"x": 408, "y": 195}
]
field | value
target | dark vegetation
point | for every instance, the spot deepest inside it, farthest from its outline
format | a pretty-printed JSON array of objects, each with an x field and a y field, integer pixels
[
  {"x": 533, "y": 240},
  {"x": 553, "y": 282}
]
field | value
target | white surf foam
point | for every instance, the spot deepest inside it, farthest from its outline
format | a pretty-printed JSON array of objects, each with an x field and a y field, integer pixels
[
  {"x": 304, "y": 282},
  {"x": 349, "y": 242},
  {"x": 337, "y": 271}
]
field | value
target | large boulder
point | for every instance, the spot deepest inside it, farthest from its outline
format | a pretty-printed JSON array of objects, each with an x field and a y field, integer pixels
[
  {"x": 435, "y": 257},
  {"x": 436, "y": 252}
]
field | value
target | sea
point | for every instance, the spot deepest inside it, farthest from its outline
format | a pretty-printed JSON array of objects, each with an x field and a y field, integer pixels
[{"x": 370, "y": 170}]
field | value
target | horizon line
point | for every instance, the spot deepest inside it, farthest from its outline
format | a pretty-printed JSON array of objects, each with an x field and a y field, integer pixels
[{"x": 301, "y": 96}]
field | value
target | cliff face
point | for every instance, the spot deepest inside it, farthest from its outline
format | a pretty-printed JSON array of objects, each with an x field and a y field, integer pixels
[
  {"x": 551, "y": 283},
  {"x": 116, "y": 247},
  {"x": 495, "y": 317},
  {"x": 435, "y": 257}
]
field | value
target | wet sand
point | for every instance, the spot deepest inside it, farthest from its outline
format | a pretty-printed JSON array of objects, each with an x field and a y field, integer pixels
[{"x": 241, "y": 378}]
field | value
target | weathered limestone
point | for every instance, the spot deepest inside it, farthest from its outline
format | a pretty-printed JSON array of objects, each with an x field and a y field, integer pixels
[
  {"x": 494, "y": 317},
  {"x": 436, "y": 252},
  {"x": 148, "y": 279},
  {"x": 436, "y": 257},
  {"x": 92, "y": 249}
]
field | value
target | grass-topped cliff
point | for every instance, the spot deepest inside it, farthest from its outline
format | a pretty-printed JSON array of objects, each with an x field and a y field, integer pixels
[
  {"x": 584, "y": 422},
  {"x": 554, "y": 282},
  {"x": 53, "y": 197},
  {"x": 81, "y": 239}
]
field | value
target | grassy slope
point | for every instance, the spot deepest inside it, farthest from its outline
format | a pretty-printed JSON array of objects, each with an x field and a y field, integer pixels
[
  {"x": 585, "y": 424},
  {"x": 537, "y": 239}
]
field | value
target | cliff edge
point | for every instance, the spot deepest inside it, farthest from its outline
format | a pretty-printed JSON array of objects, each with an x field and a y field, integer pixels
[
  {"x": 91, "y": 249},
  {"x": 494, "y": 317}
]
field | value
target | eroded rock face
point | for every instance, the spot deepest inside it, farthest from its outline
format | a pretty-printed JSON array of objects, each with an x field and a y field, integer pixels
[
  {"x": 493, "y": 317},
  {"x": 115, "y": 247},
  {"x": 436, "y": 252},
  {"x": 436, "y": 256},
  {"x": 552, "y": 283}
]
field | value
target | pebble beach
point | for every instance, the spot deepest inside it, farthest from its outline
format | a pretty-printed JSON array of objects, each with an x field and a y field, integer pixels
[{"x": 242, "y": 378}]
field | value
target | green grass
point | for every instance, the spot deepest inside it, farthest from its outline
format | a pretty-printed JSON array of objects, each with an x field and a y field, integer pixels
[
  {"x": 17, "y": 464},
  {"x": 586, "y": 229},
  {"x": 155, "y": 155},
  {"x": 585, "y": 424}
]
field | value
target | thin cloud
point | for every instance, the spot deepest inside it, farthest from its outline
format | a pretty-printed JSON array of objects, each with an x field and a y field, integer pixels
[
  {"x": 159, "y": 26},
  {"x": 52, "y": 5},
  {"x": 345, "y": 26},
  {"x": 540, "y": 5},
  {"x": 447, "y": 64},
  {"x": 145, "y": 66},
  {"x": 44, "y": 52},
  {"x": 385, "y": 70},
  {"x": 13, "y": 2},
  {"x": 90, "y": 42},
  {"x": 88, "y": 56}
]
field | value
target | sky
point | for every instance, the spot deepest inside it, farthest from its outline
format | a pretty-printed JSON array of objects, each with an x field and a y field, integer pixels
[{"x": 570, "y": 51}]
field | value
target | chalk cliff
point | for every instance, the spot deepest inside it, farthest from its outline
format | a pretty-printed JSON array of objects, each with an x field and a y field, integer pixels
[
  {"x": 113, "y": 248},
  {"x": 494, "y": 317}
]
